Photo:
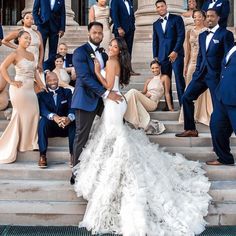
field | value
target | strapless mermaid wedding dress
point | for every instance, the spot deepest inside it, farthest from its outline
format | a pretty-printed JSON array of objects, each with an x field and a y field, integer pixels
[{"x": 133, "y": 187}]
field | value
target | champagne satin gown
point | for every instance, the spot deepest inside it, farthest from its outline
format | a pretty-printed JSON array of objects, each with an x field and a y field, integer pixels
[
  {"x": 21, "y": 132},
  {"x": 139, "y": 105},
  {"x": 203, "y": 105}
]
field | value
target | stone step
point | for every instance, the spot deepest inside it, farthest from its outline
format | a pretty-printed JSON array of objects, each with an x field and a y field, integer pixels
[
  {"x": 40, "y": 219},
  {"x": 167, "y": 115},
  {"x": 201, "y": 154},
  {"x": 61, "y": 171},
  {"x": 61, "y": 190},
  {"x": 38, "y": 190}
]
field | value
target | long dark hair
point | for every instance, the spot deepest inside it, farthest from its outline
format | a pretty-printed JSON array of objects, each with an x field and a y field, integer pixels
[{"x": 124, "y": 60}]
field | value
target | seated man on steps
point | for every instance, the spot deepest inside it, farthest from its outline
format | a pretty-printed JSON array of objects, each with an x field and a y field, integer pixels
[{"x": 57, "y": 117}]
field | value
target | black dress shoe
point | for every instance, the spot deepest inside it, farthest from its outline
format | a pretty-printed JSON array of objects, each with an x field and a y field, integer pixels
[{"x": 72, "y": 180}]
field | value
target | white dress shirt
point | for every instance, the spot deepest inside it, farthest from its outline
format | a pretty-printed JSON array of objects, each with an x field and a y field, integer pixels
[
  {"x": 127, "y": 6},
  {"x": 210, "y": 35},
  {"x": 231, "y": 51},
  {"x": 97, "y": 54},
  {"x": 52, "y": 3},
  {"x": 212, "y": 4},
  {"x": 163, "y": 24}
]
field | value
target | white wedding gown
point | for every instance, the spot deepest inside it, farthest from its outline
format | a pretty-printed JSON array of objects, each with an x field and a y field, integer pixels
[{"x": 134, "y": 188}]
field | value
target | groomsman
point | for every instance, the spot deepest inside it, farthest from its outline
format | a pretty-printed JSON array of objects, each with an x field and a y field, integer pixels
[
  {"x": 122, "y": 14},
  {"x": 57, "y": 117},
  {"x": 223, "y": 119},
  {"x": 168, "y": 39},
  {"x": 50, "y": 18},
  {"x": 221, "y": 6},
  {"x": 214, "y": 43}
]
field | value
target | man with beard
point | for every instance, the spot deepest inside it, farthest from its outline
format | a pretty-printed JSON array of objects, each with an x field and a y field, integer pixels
[
  {"x": 88, "y": 93},
  {"x": 214, "y": 43},
  {"x": 57, "y": 117}
]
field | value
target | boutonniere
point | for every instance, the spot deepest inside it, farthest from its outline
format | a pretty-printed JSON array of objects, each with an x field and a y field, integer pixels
[
  {"x": 216, "y": 41},
  {"x": 92, "y": 56}
]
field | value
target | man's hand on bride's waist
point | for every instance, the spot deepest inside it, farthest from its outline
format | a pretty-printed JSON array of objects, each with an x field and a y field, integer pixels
[{"x": 114, "y": 96}]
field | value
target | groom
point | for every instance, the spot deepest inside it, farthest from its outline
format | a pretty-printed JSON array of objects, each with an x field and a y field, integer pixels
[{"x": 88, "y": 93}]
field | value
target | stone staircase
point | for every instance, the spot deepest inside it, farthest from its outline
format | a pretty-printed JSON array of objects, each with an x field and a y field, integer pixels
[{"x": 32, "y": 196}]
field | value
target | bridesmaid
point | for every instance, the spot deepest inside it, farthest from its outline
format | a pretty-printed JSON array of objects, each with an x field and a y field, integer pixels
[
  {"x": 203, "y": 105},
  {"x": 140, "y": 103},
  {"x": 21, "y": 132},
  {"x": 188, "y": 15},
  {"x": 36, "y": 45},
  {"x": 101, "y": 12}
]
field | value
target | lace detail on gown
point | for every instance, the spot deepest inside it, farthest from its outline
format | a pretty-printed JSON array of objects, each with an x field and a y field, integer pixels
[{"x": 133, "y": 187}]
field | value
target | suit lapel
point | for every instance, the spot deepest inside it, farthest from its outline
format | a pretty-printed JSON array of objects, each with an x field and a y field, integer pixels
[
  {"x": 168, "y": 23},
  {"x": 91, "y": 54},
  {"x": 226, "y": 63},
  {"x": 203, "y": 44}
]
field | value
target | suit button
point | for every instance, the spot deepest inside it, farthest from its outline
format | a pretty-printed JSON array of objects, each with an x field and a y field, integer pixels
[
  {"x": 222, "y": 76},
  {"x": 225, "y": 67}
]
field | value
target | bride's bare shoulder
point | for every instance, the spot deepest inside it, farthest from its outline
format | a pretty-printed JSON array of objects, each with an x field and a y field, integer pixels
[{"x": 112, "y": 63}]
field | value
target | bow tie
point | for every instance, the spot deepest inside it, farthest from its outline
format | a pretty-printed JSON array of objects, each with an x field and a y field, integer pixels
[
  {"x": 100, "y": 49},
  {"x": 162, "y": 19},
  {"x": 209, "y": 32}
]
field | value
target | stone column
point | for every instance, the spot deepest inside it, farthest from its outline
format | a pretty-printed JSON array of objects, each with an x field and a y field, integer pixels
[
  {"x": 69, "y": 13},
  {"x": 145, "y": 16}
]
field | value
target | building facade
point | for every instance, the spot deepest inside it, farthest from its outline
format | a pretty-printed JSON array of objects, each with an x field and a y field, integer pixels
[{"x": 11, "y": 11}]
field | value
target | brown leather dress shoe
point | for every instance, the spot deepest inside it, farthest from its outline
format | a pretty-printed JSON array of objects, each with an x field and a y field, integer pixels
[
  {"x": 42, "y": 161},
  {"x": 188, "y": 133},
  {"x": 217, "y": 163}
]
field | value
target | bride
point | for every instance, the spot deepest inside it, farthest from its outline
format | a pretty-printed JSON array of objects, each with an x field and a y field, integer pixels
[{"x": 132, "y": 187}]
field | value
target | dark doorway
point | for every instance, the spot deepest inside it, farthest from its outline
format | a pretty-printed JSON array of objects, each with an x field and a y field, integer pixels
[
  {"x": 80, "y": 9},
  {"x": 10, "y": 11}
]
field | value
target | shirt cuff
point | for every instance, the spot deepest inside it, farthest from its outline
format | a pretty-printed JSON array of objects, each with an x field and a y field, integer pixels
[
  {"x": 105, "y": 94},
  {"x": 71, "y": 116},
  {"x": 50, "y": 116}
]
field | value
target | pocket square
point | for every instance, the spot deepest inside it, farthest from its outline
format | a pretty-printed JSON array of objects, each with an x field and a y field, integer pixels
[
  {"x": 218, "y": 5},
  {"x": 64, "y": 101},
  {"x": 216, "y": 41}
]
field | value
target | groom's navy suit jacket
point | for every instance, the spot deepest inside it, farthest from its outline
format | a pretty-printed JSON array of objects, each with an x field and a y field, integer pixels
[
  {"x": 209, "y": 61},
  {"x": 88, "y": 89},
  {"x": 222, "y": 7},
  {"x": 170, "y": 40}
]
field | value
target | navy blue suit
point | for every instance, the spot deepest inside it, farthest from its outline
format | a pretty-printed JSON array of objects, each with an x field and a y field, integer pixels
[
  {"x": 50, "y": 22},
  {"x": 207, "y": 73},
  {"x": 121, "y": 18},
  {"x": 48, "y": 128},
  {"x": 1, "y": 32},
  {"x": 86, "y": 97},
  {"x": 222, "y": 7},
  {"x": 223, "y": 119},
  {"x": 166, "y": 42}
]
